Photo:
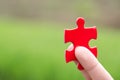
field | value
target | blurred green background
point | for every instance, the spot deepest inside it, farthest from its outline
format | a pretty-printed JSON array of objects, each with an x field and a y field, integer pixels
[{"x": 31, "y": 37}]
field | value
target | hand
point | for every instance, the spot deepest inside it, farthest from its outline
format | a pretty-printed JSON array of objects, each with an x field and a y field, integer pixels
[{"x": 93, "y": 70}]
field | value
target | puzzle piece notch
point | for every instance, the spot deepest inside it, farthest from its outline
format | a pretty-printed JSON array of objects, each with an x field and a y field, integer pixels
[{"x": 80, "y": 36}]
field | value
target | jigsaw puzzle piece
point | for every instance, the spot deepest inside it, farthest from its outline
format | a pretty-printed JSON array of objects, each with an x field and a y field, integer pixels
[{"x": 79, "y": 36}]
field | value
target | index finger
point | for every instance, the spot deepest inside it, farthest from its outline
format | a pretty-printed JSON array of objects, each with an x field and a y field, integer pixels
[{"x": 91, "y": 64}]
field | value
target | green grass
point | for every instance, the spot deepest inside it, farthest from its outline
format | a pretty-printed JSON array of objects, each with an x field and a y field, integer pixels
[{"x": 35, "y": 51}]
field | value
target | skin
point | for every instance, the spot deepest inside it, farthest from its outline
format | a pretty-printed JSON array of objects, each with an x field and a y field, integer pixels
[{"x": 93, "y": 70}]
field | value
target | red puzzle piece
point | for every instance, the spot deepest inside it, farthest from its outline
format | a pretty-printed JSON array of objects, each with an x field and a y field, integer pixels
[{"x": 80, "y": 36}]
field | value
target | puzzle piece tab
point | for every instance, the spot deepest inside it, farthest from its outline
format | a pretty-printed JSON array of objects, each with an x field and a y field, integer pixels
[{"x": 79, "y": 36}]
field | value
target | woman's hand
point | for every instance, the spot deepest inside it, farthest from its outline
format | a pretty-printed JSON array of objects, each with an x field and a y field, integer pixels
[{"x": 93, "y": 70}]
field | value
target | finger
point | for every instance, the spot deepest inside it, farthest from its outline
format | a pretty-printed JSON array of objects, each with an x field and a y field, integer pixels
[
  {"x": 91, "y": 64},
  {"x": 70, "y": 48},
  {"x": 85, "y": 74}
]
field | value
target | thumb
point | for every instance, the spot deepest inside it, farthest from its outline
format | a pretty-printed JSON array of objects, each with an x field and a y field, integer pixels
[{"x": 91, "y": 64}]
